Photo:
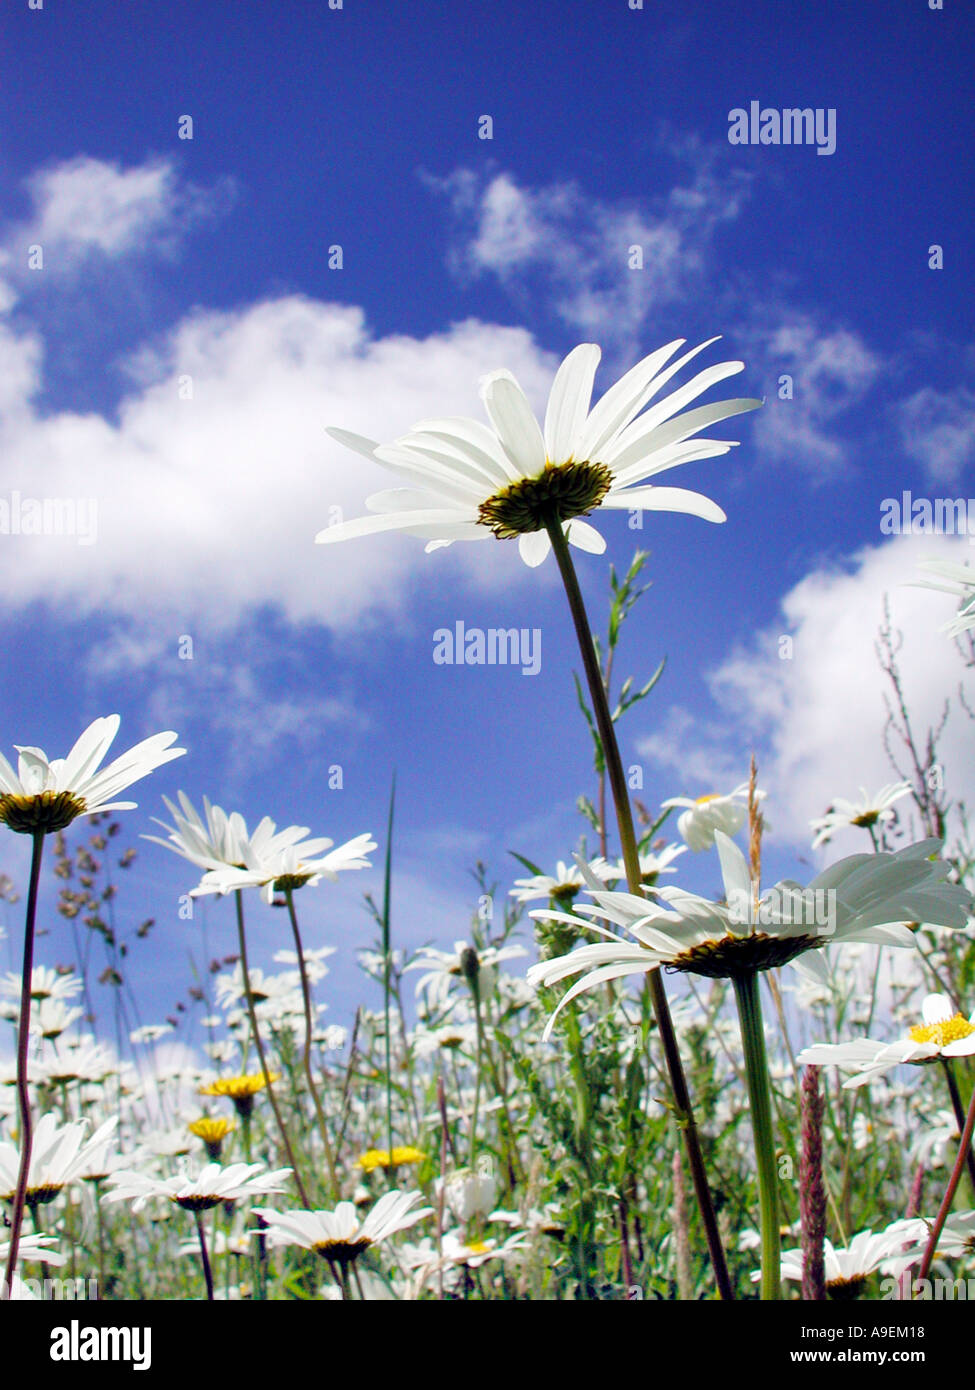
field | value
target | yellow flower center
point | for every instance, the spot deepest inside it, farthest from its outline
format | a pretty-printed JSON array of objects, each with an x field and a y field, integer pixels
[
  {"x": 711, "y": 796},
  {"x": 47, "y": 811},
  {"x": 561, "y": 491},
  {"x": 947, "y": 1031}
]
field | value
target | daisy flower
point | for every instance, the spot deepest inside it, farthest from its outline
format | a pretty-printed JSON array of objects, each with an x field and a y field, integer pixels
[
  {"x": 59, "y": 1155},
  {"x": 469, "y": 481},
  {"x": 44, "y": 984},
  {"x": 342, "y": 1235},
  {"x": 443, "y": 967},
  {"x": 866, "y": 897},
  {"x": 280, "y": 863},
  {"x": 712, "y": 812},
  {"x": 944, "y": 1033},
  {"x": 956, "y": 1240},
  {"x": 215, "y": 1185},
  {"x": 865, "y": 812},
  {"x": 211, "y": 841},
  {"x": 653, "y": 863},
  {"x": 380, "y": 1158},
  {"x": 48, "y": 794},
  {"x": 954, "y": 579},
  {"x": 240, "y": 1089},
  {"x": 848, "y": 1268}
]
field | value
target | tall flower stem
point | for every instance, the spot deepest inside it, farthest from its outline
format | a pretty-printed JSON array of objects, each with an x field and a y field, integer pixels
[
  {"x": 952, "y": 1188},
  {"x": 204, "y": 1256},
  {"x": 760, "y": 1101},
  {"x": 387, "y": 967},
  {"x": 959, "y": 1110},
  {"x": 631, "y": 860},
  {"x": 256, "y": 1032},
  {"x": 23, "y": 1039},
  {"x": 306, "y": 1057}
]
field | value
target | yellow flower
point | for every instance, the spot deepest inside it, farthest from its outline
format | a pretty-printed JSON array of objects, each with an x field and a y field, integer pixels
[
  {"x": 380, "y": 1158},
  {"x": 240, "y": 1089},
  {"x": 213, "y": 1132}
]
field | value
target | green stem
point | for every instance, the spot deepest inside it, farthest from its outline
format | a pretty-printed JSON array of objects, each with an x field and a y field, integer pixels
[
  {"x": 476, "y": 991},
  {"x": 759, "y": 1096},
  {"x": 23, "y": 1039},
  {"x": 387, "y": 966},
  {"x": 309, "y": 1074},
  {"x": 265, "y": 1070},
  {"x": 631, "y": 859}
]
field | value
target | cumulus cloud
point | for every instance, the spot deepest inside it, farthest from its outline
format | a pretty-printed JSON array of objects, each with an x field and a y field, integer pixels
[
  {"x": 213, "y": 477},
  {"x": 938, "y": 429},
  {"x": 809, "y": 692}
]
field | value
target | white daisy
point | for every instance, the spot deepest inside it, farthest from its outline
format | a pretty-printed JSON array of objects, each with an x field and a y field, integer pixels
[
  {"x": 564, "y": 885},
  {"x": 846, "y": 1270},
  {"x": 944, "y": 1033},
  {"x": 866, "y": 897},
  {"x": 444, "y": 967},
  {"x": 342, "y": 1235},
  {"x": 652, "y": 864},
  {"x": 468, "y": 481},
  {"x": 210, "y": 843},
  {"x": 214, "y": 1185},
  {"x": 865, "y": 812},
  {"x": 59, "y": 1155},
  {"x": 712, "y": 812},
  {"x": 282, "y": 862},
  {"x": 44, "y": 984},
  {"x": 955, "y": 579},
  {"x": 47, "y": 794}
]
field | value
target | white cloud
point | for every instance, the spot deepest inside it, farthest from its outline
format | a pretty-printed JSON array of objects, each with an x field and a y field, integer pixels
[
  {"x": 938, "y": 429},
  {"x": 577, "y": 248},
  {"x": 207, "y": 507},
  {"x": 831, "y": 371},
  {"x": 817, "y": 719},
  {"x": 87, "y": 205}
]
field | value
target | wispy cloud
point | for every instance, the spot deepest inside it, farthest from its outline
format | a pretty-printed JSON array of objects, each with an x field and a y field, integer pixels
[
  {"x": 938, "y": 429},
  {"x": 84, "y": 207},
  {"x": 603, "y": 267}
]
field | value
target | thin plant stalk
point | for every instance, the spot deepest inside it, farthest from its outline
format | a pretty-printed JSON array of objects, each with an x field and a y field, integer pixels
[
  {"x": 749, "y": 1003},
  {"x": 204, "y": 1256},
  {"x": 252, "y": 1015},
  {"x": 949, "y": 1197},
  {"x": 306, "y": 1056},
  {"x": 387, "y": 965},
  {"x": 959, "y": 1110},
  {"x": 23, "y": 1039},
  {"x": 631, "y": 860}
]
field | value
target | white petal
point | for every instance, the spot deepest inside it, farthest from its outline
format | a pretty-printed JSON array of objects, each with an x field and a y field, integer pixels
[
  {"x": 666, "y": 499},
  {"x": 585, "y": 537},
  {"x": 533, "y": 547},
  {"x": 568, "y": 402},
  {"x": 516, "y": 426}
]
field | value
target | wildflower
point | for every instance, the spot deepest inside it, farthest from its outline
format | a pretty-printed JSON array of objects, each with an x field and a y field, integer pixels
[
  {"x": 468, "y": 481},
  {"x": 341, "y": 1235},
  {"x": 866, "y": 812},
  {"x": 48, "y": 794},
  {"x": 944, "y": 1033}
]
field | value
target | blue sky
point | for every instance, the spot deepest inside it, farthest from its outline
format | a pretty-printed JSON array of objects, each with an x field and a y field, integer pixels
[{"x": 206, "y": 260}]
